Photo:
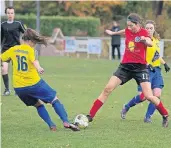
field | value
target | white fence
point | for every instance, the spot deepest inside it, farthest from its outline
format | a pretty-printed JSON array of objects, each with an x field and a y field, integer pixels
[
  {"x": 98, "y": 46},
  {"x": 94, "y": 46}
]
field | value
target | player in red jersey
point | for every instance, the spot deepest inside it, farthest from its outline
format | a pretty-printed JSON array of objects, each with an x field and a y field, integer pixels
[{"x": 133, "y": 66}]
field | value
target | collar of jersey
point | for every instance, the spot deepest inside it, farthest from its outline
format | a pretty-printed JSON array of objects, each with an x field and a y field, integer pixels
[{"x": 10, "y": 22}]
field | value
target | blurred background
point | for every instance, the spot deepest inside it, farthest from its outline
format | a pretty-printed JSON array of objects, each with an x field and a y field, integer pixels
[{"x": 77, "y": 28}]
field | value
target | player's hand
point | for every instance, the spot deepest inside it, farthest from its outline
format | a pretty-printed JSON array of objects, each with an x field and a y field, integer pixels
[
  {"x": 167, "y": 68},
  {"x": 41, "y": 70},
  {"x": 109, "y": 32},
  {"x": 142, "y": 39},
  {"x": 151, "y": 68}
]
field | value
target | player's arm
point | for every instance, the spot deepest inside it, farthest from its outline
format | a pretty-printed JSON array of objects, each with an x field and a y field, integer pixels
[
  {"x": 167, "y": 68},
  {"x": 120, "y": 32},
  {"x": 35, "y": 62},
  {"x": 150, "y": 67},
  {"x": 22, "y": 28},
  {"x": 2, "y": 34},
  {"x": 146, "y": 40},
  {"x": 38, "y": 67}
]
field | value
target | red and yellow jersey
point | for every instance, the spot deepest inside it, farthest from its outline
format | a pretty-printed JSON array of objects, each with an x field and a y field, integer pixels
[
  {"x": 135, "y": 51},
  {"x": 24, "y": 72},
  {"x": 153, "y": 53}
]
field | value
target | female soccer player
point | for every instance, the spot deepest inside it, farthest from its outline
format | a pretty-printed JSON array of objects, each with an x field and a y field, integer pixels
[
  {"x": 154, "y": 60},
  {"x": 10, "y": 36},
  {"x": 28, "y": 85},
  {"x": 133, "y": 65}
]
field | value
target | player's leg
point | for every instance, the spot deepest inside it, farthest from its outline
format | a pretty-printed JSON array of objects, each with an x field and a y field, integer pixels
[
  {"x": 111, "y": 85},
  {"x": 48, "y": 95},
  {"x": 4, "y": 71},
  {"x": 121, "y": 76},
  {"x": 43, "y": 113},
  {"x": 151, "y": 107},
  {"x": 157, "y": 84},
  {"x": 113, "y": 52},
  {"x": 138, "y": 98},
  {"x": 119, "y": 52},
  {"x": 60, "y": 110},
  {"x": 25, "y": 94},
  {"x": 134, "y": 101},
  {"x": 146, "y": 88},
  {"x": 142, "y": 78}
]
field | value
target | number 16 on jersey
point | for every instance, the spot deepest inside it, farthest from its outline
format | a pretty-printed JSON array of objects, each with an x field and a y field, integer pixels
[{"x": 22, "y": 64}]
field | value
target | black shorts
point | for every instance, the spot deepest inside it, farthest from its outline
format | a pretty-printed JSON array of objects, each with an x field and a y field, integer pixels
[{"x": 126, "y": 72}]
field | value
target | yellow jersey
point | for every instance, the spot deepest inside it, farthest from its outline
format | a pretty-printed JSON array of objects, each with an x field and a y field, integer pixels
[
  {"x": 153, "y": 53},
  {"x": 24, "y": 72}
]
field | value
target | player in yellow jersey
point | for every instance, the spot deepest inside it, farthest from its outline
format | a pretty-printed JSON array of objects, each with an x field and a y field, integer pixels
[
  {"x": 154, "y": 61},
  {"x": 27, "y": 83}
]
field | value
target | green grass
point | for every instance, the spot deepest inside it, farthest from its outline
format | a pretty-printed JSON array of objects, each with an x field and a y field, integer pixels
[{"x": 78, "y": 83}]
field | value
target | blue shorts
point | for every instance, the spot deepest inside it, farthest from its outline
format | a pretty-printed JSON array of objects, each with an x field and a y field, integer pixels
[
  {"x": 40, "y": 91},
  {"x": 156, "y": 79}
]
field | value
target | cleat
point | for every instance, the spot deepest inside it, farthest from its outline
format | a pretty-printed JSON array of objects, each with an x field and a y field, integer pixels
[
  {"x": 165, "y": 121},
  {"x": 123, "y": 112},
  {"x": 53, "y": 128},
  {"x": 6, "y": 92},
  {"x": 147, "y": 120},
  {"x": 90, "y": 119},
  {"x": 71, "y": 126}
]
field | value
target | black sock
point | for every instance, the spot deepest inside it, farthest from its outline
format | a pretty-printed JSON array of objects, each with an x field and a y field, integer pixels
[{"x": 6, "y": 81}]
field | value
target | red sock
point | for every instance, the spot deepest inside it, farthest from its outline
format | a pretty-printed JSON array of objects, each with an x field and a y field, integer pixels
[
  {"x": 162, "y": 110},
  {"x": 96, "y": 106},
  {"x": 142, "y": 97}
]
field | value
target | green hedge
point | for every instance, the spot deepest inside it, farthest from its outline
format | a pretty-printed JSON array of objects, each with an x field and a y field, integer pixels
[{"x": 68, "y": 25}]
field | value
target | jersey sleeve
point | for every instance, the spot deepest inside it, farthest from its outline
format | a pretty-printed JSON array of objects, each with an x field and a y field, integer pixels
[
  {"x": 22, "y": 28},
  {"x": 6, "y": 55},
  {"x": 2, "y": 34},
  {"x": 32, "y": 57}
]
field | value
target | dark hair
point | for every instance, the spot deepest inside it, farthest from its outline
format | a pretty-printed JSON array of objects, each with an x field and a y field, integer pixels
[
  {"x": 155, "y": 35},
  {"x": 135, "y": 18},
  {"x": 10, "y": 7},
  {"x": 34, "y": 36}
]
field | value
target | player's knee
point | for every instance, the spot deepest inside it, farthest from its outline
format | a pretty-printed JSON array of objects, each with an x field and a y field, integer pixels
[
  {"x": 157, "y": 94},
  {"x": 54, "y": 100},
  {"x": 148, "y": 96},
  {"x": 38, "y": 104},
  {"x": 4, "y": 70}
]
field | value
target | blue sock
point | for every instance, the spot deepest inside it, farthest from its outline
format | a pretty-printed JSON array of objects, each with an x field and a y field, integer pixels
[
  {"x": 133, "y": 102},
  {"x": 43, "y": 113},
  {"x": 150, "y": 110},
  {"x": 60, "y": 110}
]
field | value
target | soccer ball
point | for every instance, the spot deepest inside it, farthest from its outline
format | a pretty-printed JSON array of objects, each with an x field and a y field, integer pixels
[{"x": 81, "y": 121}]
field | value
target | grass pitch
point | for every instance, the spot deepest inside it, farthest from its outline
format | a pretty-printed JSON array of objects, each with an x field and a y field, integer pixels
[{"x": 78, "y": 83}]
